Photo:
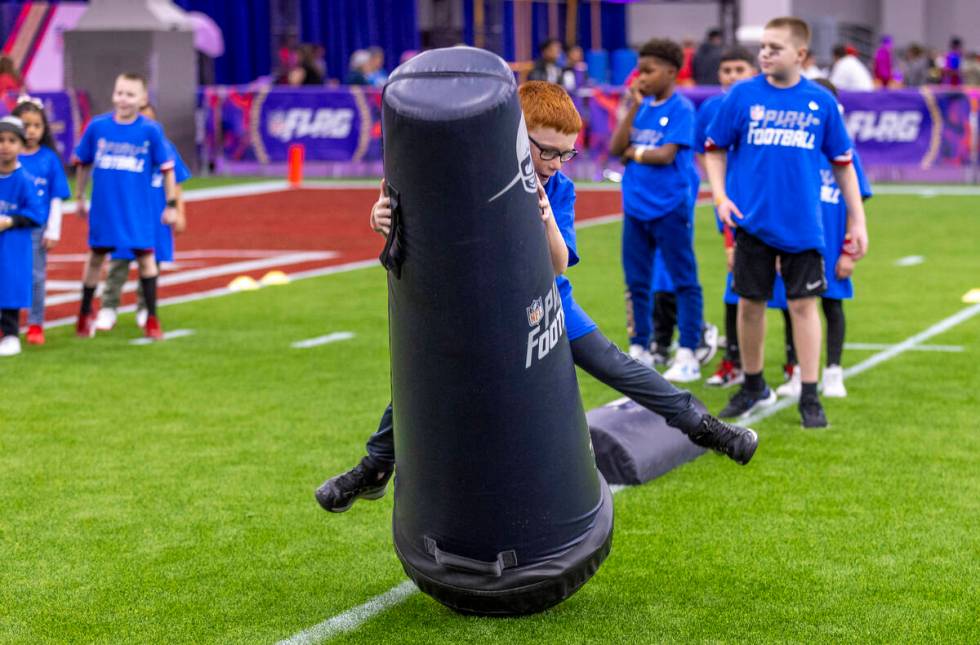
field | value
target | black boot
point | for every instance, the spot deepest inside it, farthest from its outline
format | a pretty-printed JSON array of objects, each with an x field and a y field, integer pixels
[
  {"x": 735, "y": 441},
  {"x": 363, "y": 481}
]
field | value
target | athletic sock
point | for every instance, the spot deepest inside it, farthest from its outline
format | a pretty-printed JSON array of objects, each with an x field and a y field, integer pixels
[
  {"x": 808, "y": 392},
  {"x": 755, "y": 382},
  {"x": 88, "y": 293},
  {"x": 150, "y": 294}
]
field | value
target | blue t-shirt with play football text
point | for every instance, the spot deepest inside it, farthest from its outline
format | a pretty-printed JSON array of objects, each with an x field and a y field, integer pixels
[
  {"x": 163, "y": 248},
  {"x": 46, "y": 167},
  {"x": 651, "y": 191},
  {"x": 776, "y": 140},
  {"x": 123, "y": 158},
  {"x": 18, "y": 196},
  {"x": 835, "y": 226},
  {"x": 561, "y": 193}
]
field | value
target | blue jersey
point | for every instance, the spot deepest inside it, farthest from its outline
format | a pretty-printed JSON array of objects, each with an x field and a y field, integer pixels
[
  {"x": 18, "y": 196},
  {"x": 45, "y": 166},
  {"x": 835, "y": 226},
  {"x": 123, "y": 157},
  {"x": 561, "y": 193},
  {"x": 776, "y": 140},
  {"x": 651, "y": 191},
  {"x": 163, "y": 247}
]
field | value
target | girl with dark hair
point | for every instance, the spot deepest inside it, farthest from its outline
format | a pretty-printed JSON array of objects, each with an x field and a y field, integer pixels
[{"x": 41, "y": 161}]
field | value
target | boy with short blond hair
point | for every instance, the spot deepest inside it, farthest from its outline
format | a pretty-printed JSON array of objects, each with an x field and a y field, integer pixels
[{"x": 774, "y": 130}]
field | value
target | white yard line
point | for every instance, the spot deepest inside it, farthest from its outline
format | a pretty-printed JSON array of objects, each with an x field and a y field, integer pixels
[
  {"x": 232, "y": 268},
  {"x": 353, "y": 618},
  {"x": 322, "y": 340},
  {"x": 909, "y": 261},
  {"x": 168, "y": 335},
  {"x": 917, "y": 348}
]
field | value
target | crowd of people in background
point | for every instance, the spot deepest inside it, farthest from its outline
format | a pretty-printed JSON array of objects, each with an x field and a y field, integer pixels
[{"x": 304, "y": 64}]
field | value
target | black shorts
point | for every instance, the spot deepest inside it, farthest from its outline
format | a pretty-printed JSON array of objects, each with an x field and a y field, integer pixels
[
  {"x": 755, "y": 270},
  {"x": 105, "y": 250}
]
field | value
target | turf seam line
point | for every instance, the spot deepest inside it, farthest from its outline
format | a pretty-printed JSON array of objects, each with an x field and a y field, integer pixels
[{"x": 353, "y": 618}]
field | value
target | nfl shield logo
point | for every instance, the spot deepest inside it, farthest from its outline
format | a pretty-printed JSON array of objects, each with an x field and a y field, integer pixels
[
  {"x": 757, "y": 112},
  {"x": 535, "y": 312}
]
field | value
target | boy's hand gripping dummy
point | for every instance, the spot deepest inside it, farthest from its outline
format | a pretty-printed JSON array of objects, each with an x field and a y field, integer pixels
[{"x": 499, "y": 508}]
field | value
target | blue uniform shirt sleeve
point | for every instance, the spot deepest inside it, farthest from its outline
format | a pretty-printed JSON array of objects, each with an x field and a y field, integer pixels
[
  {"x": 836, "y": 142},
  {"x": 29, "y": 203},
  {"x": 57, "y": 181},
  {"x": 160, "y": 155},
  {"x": 562, "y": 198},
  {"x": 85, "y": 150},
  {"x": 701, "y": 121},
  {"x": 680, "y": 125},
  {"x": 863, "y": 184},
  {"x": 723, "y": 131}
]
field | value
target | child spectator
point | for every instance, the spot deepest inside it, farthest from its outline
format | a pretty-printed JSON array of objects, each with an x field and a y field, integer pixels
[
  {"x": 773, "y": 130},
  {"x": 20, "y": 211},
  {"x": 163, "y": 247},
  {"x": 124, "y": 147},
  {"x": 654, "y": 139},
  {"x": 41, "y": 160},
  {"x": 737, "y": 64}
]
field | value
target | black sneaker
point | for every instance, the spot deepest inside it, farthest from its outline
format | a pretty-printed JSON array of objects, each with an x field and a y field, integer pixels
[
  {"x": 339, "y": 493},
  {"x": 735, "y": 441},
  {"x": 745, "y": 402},
  {"x": 811, "y": 414}
]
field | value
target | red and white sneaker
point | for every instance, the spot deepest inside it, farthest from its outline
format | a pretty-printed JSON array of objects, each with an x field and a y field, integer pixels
[
  {"x": 152, "y": 329},
  {"x": 727, "y": 375},
  {"x": 35, "y": 335},
  {"x": 85, "y": 327}
]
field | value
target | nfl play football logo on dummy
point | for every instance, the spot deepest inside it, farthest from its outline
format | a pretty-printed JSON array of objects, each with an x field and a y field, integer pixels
[
  {"x": 546, "y": 318},
  {"x": 528, "y": 178}
]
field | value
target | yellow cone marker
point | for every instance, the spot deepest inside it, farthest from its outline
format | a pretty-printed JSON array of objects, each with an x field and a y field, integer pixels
[
  {"x": 972, "y": 296},
  {"x": 243, "y": 283},
  {"x": 274, "y": 278}
]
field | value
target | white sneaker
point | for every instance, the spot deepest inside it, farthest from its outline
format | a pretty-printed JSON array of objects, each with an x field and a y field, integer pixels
[
  {"x": 9, "y": 345},
  {"x": 105, "y": 319},
  {"x": 833, "y": 382},
  {"x": 141, "y": 316},
  {"x": 685, "y": 368},
  {"x": 708, "y": 344},
  {"x": 641, "y": 355},
  {"x": 792, "y": 387}
]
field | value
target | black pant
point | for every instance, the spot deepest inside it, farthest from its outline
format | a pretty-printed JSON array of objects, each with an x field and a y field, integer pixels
[
  {"x": 664, "y": 319},
  {"x": 10, "y": 322},
  {"x": 598, "y": 356}
]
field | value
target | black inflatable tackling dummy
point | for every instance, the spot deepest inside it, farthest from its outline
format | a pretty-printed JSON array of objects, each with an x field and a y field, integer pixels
[
  {"x": 499, "y": 508},
  {"x": 634, "y": 445}
]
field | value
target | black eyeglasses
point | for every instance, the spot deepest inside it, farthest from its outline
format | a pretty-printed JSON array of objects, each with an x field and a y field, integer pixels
[{"x": 547, "y": 154}]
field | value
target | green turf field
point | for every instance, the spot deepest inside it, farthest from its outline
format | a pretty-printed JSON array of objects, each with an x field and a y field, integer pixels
[{"x": 163, "y": 494}]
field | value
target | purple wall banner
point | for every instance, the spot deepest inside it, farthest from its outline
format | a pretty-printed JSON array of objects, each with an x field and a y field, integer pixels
[{"x": 912, "y": 129}]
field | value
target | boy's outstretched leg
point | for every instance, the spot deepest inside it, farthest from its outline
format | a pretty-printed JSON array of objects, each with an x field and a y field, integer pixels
[
  {"x": 148, "y": 281},
  {"x": 85, "y": 327},
  {"x": 598, "y": 356},
  {"x": 369, "y": 478}
]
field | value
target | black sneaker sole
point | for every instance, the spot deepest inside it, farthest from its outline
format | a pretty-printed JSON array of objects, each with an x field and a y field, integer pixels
[{"x": 369, "y": 495}]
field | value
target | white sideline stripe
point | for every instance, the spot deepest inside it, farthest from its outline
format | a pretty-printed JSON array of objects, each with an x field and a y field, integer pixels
[
  {"x": 197, "y": 254},
  {"x": 212, "y": 272},
  {"x": 891, "y": 352},
  {"x": 167, "y": 335},
  {"x": 909, "y": 261},
  {"x": 353, "y": 618},
  {"x": 224, "y": 291},
  {"x": 917, "y": 348},
  {"x": 322, "y": 340},
  {"x": 925, "y": 190}
]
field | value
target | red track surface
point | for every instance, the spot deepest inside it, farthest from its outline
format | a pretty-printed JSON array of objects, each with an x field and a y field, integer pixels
[{"x": 265, "y": 228}]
